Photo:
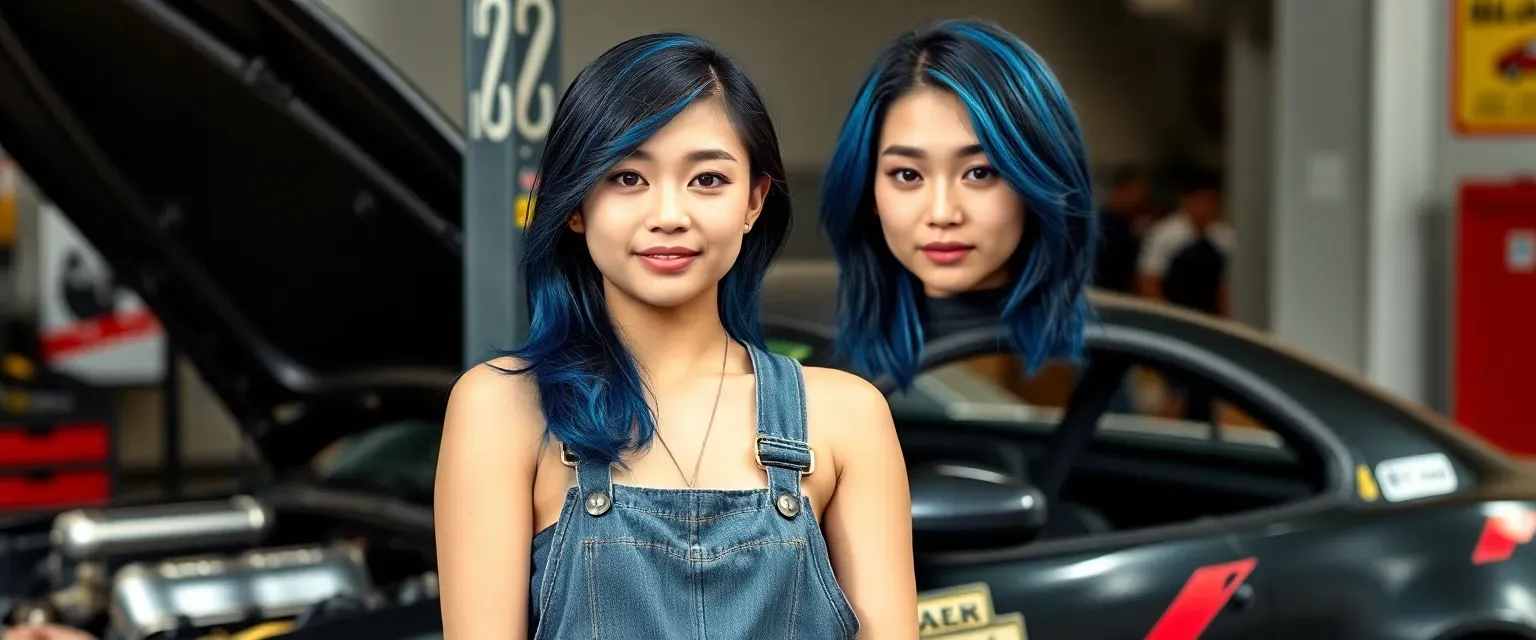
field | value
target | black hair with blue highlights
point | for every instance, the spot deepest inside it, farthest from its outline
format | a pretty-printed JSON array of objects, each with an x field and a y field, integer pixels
[
  {"x": 592, "y": 392},
  {"x": 1031, "y": 136}
]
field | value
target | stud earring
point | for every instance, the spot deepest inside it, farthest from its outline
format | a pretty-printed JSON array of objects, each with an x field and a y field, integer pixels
[{"x": 746, "y": 227}]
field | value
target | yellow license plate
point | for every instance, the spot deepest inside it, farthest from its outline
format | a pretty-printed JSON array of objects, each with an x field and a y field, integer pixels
[
  {"x": 1008, "y": 626},
  {"x": 954, "y": 609}
]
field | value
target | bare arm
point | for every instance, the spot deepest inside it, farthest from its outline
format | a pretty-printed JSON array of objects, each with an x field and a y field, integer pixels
[
  {"x": 868, "y": 521},
  {"x": 484, "y": 504}
]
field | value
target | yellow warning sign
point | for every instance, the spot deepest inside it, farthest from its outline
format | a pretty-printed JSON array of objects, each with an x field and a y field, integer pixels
[
  {"x": 524, "y": 211},
  {"x": 1493, "y": 66},
  {"x": 1365, "y": 483}
]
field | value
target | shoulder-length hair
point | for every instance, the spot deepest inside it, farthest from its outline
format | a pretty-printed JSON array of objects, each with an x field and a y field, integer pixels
[
  {"x": 590, "y": 389},
  {"x": 1030, "y": 134}
]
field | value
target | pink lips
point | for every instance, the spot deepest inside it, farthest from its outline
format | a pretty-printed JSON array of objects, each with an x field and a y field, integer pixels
[
  {"x": 947, "y": 253},
  {"x": 667, "y": 259}
]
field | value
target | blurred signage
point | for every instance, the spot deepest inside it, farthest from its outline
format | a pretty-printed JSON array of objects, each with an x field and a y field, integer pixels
[
  {"x": 91, "y": 328},
  {"x": 965, "y": 613},
  {"x": 1493, "y": 67},
  {"x": 511, "y": 73}
]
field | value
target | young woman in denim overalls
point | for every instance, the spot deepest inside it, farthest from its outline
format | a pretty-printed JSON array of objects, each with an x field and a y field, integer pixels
[{"x": 776, "y": 504}]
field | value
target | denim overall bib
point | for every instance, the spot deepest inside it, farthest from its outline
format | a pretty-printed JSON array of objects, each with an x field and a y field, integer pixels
[{"x": 635, "y": 563}]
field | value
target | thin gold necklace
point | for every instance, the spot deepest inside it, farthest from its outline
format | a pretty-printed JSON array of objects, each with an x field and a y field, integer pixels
[{"x": 707, "y": 429}]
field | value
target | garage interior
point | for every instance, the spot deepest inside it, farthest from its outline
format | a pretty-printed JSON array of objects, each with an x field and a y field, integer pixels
[{"x": 1384, "y": 231}]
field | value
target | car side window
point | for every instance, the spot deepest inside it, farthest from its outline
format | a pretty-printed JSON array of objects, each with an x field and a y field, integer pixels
[
  {"x": 1170, "y": 449},
  {"x": 1152, "y": 400}
]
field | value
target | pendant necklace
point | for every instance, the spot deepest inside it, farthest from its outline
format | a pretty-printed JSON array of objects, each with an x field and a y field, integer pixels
[{"x": 707, "y": 429}]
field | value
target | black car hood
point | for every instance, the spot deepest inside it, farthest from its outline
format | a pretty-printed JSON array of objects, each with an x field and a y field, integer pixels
[{"x": 284, "y": 201}]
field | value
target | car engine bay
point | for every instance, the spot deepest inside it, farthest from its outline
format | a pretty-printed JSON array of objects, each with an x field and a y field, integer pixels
[{"x": 248, "y": 566}]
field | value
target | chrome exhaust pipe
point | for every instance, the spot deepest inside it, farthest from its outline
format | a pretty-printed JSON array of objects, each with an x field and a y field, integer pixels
[{"x": 93, "y": 534}]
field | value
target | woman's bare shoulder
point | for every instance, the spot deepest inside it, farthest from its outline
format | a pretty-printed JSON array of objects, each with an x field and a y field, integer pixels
[
  {"x": 844, "y": 406},
  {"x": 495, "y": 402}
]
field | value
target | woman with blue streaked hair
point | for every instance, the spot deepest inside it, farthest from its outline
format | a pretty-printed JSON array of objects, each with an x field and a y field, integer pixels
[
  {"x": 662, "y": 203},
  {"x": 959, "y": 189}
]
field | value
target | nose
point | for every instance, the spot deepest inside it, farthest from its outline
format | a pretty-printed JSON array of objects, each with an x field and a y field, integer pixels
[
  {"x": 670, "y": 213},
  {"x": 944, "y": 210}
]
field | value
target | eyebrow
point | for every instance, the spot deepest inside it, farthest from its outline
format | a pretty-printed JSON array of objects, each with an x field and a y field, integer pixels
[
  {"x": 918, "y": 154},
  {"x": 693, "y": 156}
]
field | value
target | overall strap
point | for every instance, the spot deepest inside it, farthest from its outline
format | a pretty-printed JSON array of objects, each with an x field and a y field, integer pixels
[
  {"x": 782, "y": 446},
  {"x": 590, "y": 476}
]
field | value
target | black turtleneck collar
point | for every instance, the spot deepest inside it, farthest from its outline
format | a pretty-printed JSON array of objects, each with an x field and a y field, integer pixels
[{"x": 943, "y": 316}]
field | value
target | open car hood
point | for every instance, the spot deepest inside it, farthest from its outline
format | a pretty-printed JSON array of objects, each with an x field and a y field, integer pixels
[{"x": 285, "y": 202}]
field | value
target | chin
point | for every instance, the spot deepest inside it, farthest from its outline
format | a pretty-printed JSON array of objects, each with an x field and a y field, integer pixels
[
  {"x": 668, "y": 299},
  {"x": 658, "y": 292},
  {"x": 946, "y": 282}
]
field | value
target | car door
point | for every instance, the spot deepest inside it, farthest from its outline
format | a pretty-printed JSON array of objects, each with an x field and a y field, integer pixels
[
  {"x": 1170, "y": 589},
  {"x": 1173, "y": 482}
]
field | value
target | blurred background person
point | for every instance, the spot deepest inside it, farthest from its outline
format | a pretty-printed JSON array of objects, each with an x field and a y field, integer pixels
[
  {"x": 1121, "y": 222},
  {"x": 1185, "y": 261},
  {"x": 1186, "y": 257}
]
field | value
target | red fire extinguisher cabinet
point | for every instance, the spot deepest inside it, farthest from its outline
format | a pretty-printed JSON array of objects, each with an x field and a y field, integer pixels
[{"x": 1494, "y": 344}]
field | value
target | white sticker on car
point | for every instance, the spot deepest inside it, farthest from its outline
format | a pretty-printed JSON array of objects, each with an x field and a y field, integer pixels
[{"x": 1415, "y": 477}]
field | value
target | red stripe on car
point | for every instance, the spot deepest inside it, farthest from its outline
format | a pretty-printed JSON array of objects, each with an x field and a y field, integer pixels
[
  {"x": 1204, "y": 594},
  {"x": 1501, "y": 534}
]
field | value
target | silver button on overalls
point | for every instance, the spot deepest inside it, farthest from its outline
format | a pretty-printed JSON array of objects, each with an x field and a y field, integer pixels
[
  {"x": 598, "y": 503},
  {"x": 787, "y": 505}
]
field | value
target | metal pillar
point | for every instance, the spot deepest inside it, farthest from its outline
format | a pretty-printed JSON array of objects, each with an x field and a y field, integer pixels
[{"x": 511, "y": 71}]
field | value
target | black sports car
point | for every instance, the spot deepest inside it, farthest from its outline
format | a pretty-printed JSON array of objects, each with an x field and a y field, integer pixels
[{"x": 288, "y": 205}]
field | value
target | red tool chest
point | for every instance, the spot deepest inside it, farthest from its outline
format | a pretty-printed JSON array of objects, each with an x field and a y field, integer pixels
[{"x": 55, "y": 462}]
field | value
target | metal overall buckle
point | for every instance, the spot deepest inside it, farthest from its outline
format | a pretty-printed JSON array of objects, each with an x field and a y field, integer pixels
[{"x": 757, "y": 454}]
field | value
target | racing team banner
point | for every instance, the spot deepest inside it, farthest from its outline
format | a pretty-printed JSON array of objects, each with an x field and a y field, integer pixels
[
  {"x": 1493, "y": 67},
  {"x": 91, "y": 328}
]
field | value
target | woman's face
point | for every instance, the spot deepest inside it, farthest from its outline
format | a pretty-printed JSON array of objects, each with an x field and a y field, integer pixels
[
  {"x": 666, "y": 224},
  {"x": 947, "y": 215}
]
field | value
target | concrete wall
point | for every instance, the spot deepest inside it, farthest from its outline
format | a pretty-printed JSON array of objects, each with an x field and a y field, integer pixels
[
  {"x": 1319, "y": 242},
  {"x": 1127, "y": 77},
  {"x": 1250, "y": 155},
  {"x": 1404, "y": 95}
]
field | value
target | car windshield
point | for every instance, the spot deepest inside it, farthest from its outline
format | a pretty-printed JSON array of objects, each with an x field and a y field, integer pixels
[{"x": 397, "y": 455}]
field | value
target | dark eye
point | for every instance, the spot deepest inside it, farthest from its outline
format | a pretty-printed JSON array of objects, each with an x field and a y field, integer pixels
[
  {"x": 628, "y": 179},
  {"x": 710, "y": 181},
  {"x": 980, "y": 173},
  {"x": 905, "y": 175}
]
